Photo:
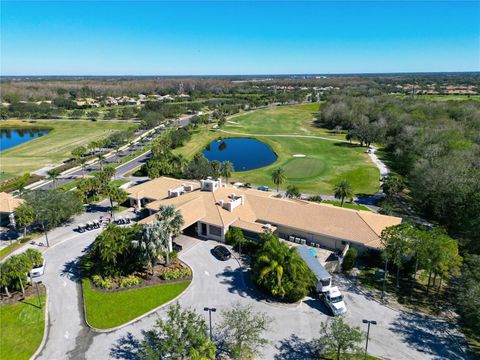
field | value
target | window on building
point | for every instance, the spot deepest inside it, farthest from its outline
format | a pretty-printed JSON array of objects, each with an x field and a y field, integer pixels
[{"x": 215, "y": 230}]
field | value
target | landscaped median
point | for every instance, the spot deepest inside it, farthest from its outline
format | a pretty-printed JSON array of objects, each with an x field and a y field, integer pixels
[
  {"x": 21, "y": 328},
  {"x": 104, "y": 310}
]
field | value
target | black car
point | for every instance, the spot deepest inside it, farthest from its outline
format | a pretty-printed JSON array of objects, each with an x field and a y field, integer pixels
[
  {"x": 177, "y": 247},
  {"x": 221, "y": 252}
]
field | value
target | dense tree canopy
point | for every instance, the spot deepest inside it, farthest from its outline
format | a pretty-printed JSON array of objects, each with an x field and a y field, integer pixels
[
  {"x": 281, "y": 271},
  {"x": 52, "y": 208}
]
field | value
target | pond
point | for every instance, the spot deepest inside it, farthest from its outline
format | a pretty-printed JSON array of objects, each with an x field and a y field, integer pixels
[
  {"x": 244, "y": 153},
  {"x": 10, "y": 137}
]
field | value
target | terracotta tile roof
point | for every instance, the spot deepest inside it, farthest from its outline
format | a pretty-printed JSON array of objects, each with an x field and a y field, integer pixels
[
  {"x": 252, "y": 226},
  {"x": 260, "y": 207},
  {"x": 8, "y": 203}
]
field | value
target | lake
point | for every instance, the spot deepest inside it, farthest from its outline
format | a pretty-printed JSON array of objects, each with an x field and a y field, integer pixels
[
  {"x": 10, "y": 137},
  {"x": 244, "y": 153}
]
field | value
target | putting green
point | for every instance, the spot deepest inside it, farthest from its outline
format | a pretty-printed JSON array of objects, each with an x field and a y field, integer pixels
[
  {"x": 326, "y": 161},
  {"x": 302, "y": 168}
]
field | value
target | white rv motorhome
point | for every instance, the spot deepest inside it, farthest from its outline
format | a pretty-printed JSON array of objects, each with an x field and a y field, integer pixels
[{"x": 324, "y": 279}]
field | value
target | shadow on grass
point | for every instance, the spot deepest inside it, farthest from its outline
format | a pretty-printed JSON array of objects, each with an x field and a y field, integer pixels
[
  {"x": 32, "y": 302},
  {"x": 295, "y": 348},
  {"x": 348, "y": 145}
]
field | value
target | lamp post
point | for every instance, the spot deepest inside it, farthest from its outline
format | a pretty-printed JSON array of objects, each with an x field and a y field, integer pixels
[
  {"x": 38, "y": 292},
  {"x": 210, "y": 310},
  {"x": 373, "y": 322}
]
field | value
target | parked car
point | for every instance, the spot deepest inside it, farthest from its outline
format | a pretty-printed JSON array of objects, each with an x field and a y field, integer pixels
[
  {"x": 177, "y": 247},
  {"x": 333, "y": 299},
  {"x": 221, "y": 252},
  {"x": 263, "y": 188},
  {"x": 38, "y": 270}
]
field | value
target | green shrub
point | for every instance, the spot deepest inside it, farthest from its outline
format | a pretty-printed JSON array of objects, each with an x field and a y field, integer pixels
[
  {"x": 349, "y": 259},
  {"x": 174, "y": 274},
  {"x": 315, "y": 198},
  {"x": 129, "y": 281},
  {"x": 103, "y": 283},
  {"x": 25, "y": 239}
]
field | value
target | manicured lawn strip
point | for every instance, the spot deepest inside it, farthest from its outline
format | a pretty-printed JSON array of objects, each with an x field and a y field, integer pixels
[
  {"x": 346, "y": 205},
  {"x": 54, "y": 147},
  {"x": 107, "y": 310},
  {"x": 10, "y": 248},
  {"x": 21, "y": 329}
]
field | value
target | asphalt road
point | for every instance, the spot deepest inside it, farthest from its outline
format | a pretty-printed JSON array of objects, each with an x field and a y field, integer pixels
[
  {"x": 219, "y": 284},
  {"x": 122, "y": 169}
]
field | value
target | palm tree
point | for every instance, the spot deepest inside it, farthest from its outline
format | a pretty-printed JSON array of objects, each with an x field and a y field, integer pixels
[
  {"x": 24, "y": 217},
  {"x": 216, "y": 166},
  {"x": 227, "y": 169},
  {"x": 271, "y": 264},
  {"x": 343, "y": 190},
  {"x": 101, "y": 160},
  {"x": 178, "y": 163},
  {"x": 4, "y": 278},
  {"x": 108, "y": 246},
  {"x": 115, "y": 194},
  {"x": 152, "y": 242},
  {"x": 293, "y": 192},
  {"x": 17, "y": 266},
  {"x": 83, "y": 164},
  {"x": 278, "y": 177},
  {"x": 173, "y": 221},
  {"x": 53, "y": 175}
]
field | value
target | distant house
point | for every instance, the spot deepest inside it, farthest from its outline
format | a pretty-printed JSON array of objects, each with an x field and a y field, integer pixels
[
  {"x": 88, "y": 103},
  {"x": 210, "y": 207},
  {"x": 8, "y": 204}
]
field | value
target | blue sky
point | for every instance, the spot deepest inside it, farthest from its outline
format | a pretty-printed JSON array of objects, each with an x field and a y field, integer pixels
[{"x": 237, "y": 37}]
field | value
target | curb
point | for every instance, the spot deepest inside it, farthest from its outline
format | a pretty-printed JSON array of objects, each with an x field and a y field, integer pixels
[
  {"x": 139, "y": 317},
  {"x": 45, "y": 328}
]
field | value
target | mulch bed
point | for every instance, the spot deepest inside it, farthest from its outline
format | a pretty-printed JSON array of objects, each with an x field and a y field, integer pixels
[
  {"x": 16, "y": 296},
  {"x": 147, "y": 279}
]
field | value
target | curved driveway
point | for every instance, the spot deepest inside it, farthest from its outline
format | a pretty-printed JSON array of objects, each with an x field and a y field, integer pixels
[{"x": 219, "y": 284}]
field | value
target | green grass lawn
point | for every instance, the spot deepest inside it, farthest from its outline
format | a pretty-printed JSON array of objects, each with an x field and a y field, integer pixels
[
  {"x": 325, "y": 163},
  {"x": 107, "y": 310},
  {"x": 55, "y": 146},
  {"x": 21, "y": 329},
  {"x": 10, "y": 248},
  {"x": 346, "y": 205},
  {"x": 296, "y": 119}
]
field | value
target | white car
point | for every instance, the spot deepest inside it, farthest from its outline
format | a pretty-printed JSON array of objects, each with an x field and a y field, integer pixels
[
  {"x": 39, "y": 270},
  {"x": 334, "y": 300}
]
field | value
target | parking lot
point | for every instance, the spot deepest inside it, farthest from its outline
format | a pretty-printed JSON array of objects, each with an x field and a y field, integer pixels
[{"x": 220, "y": 283}]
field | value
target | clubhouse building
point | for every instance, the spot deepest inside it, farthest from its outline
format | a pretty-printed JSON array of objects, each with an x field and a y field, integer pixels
[{"x": 210, "y": 207}]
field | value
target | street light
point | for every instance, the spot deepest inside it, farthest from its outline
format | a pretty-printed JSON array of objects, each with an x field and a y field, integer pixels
[
  {"x": 373, "y": 322},
  {"x": 38, "y": 292},
  {"x": 210, "y": 310}
]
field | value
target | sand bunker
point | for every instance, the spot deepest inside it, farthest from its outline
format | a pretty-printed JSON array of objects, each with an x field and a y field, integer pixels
[{"x": 299, "y": 155}]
